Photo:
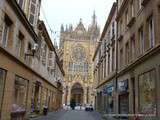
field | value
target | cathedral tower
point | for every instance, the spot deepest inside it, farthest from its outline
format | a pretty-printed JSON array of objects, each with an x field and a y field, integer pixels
[{"x": 77, "y": 46}]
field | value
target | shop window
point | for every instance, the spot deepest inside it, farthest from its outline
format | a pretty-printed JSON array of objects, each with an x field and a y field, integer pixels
[
  {"x": 6, "y": 30},
  {"x": 147, "y": 102},
  {"x": 2, "y": 83},
  {"x": 19, "y": 97}
]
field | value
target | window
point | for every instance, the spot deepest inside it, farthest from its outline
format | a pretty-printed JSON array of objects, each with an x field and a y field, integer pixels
[
  {"x": 151, "y": 32},
  {"x": 105, "y": 67},
  {"x": 2, "y": 83},
  {"x": 19, "y": 45},
  {"x": 6, "y": 30},
  {"x": 121, "y": 57},
  {"x": 139, "y": 4},
  {"x": 120, "y": 28},
  {"x": 127, "y": 53},
  {"x": 21, "y": 3},
  {"x": 113, "y": 59},
  {"x": 44, "y": 53},
  {"x": 19, "y": 94},
  {"x": 108, "y": 63},
  {"x": 109, "y": 35},
  {"x": 141, "y": 39},
  {"x": 113, "y": 30},
  {"x": 127, "y": 18},
  {"x": 133, "y": 47},
  {"x": 132, "y": 8},
  {"x": 147, "y": 93},
  {"x": 32, "y": 11},
  {"x": 28, "y": 59}
]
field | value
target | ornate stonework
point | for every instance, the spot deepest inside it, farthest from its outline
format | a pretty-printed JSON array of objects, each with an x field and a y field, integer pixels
[{"x": 76, "y": 49}]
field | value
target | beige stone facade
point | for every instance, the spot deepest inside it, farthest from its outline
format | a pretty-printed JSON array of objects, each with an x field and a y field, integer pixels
[
  {"x": 136, "y": 86},
  {"x": 30, "y": 70},
  {"x": 77, "y": 47}
]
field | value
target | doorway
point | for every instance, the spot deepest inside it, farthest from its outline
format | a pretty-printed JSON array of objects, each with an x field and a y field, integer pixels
[{"x": 77, "y": 93}]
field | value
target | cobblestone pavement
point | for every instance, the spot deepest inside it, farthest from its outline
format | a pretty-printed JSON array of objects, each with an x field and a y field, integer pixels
[{"x": 70, "y": 115}]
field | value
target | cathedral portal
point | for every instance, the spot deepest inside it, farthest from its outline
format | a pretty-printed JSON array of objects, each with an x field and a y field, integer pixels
[{"x": 77, "y": 93}]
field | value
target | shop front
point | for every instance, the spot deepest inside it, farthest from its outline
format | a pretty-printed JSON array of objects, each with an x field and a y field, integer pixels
[
  {"x": 123, "y": 97},
  {"x": 20, "y": 94},
  {"x": 108, "y": 92},
  {"x": 147, "y": 92}
]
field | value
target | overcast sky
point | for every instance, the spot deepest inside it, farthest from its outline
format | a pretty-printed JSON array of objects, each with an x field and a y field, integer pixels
[{"x": 57, "y": 12}]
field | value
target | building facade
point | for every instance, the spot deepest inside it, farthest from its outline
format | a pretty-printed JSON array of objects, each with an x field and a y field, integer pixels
[
  {"x": 105, "y": 65},
  {"x": 77, "y": 47},
  {"x": 136, "y": 88},
  {"x": 30, "y": 70}
]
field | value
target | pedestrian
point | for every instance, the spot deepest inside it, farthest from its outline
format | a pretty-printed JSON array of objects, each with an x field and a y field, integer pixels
[
  {"x": 72, "y": 104},
  {"x": 45, "y": 110}
]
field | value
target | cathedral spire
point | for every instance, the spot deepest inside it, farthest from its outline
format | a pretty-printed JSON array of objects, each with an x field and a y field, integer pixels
[
  {"x": 80, "y": 21},
  {"x": 94, "y": 22},
  {"x": 62, "y": 28}
]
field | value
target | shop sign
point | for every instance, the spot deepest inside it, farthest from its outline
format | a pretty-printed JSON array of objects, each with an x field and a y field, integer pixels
[
  {"x": 108, "y": 89},
  {"x": 123, "y": 85}
]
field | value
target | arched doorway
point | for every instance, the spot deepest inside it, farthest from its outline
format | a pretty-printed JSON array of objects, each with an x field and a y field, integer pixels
[{"x": 77, "y": 93}]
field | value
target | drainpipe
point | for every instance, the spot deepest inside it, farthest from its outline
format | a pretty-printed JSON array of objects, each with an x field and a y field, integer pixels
[{"x": 116, "y": 80}]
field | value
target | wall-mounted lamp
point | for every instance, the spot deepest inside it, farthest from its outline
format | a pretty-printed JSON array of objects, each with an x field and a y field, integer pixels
[{"x": 33, "y": 50}]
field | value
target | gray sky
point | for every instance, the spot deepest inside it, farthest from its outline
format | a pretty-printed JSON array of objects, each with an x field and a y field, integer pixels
[{"x": 59, "y": 12}]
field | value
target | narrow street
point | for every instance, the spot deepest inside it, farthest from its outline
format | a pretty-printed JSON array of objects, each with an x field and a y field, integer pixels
[{"x": 70, "y": 115}]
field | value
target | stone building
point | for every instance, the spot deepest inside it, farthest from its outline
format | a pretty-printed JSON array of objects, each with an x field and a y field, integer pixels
[
  {"x": 76, "y": 48},
  {"x": 30, "y": 70},
  {"x": 105, "y": 65},
  {"x": 136, "y": 88}
]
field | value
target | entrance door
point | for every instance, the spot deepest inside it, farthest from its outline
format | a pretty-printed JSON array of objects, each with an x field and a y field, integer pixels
[
  {"x": 77, "y": 93},
  {"x": 124, "y": 104}
]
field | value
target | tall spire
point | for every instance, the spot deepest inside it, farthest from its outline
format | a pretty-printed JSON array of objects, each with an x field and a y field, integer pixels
[
  {"x": 62, "y": 28},
  {"x": 94, "y": 22}
]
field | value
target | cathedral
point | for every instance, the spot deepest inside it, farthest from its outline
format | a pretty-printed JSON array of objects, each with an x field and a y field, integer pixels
[{"x": 77, "y": 46}]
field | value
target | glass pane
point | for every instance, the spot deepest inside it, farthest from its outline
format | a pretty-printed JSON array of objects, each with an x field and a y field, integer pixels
[
  {"x": 20, "y": 94},
  {"x": 2, "y": 79},
  {"x": 33, "y": 8},
  {"x": 147, "y": 93},
  {"x": 31, "y": 19}
]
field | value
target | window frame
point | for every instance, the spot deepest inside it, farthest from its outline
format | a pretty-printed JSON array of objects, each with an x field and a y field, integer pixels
[{"x": 3, "y": 89}]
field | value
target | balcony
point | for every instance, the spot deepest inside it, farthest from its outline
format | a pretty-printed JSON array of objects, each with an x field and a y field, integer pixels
[
  {"x": 131, "y": 22},
  {"x": 120, "y": 37}
]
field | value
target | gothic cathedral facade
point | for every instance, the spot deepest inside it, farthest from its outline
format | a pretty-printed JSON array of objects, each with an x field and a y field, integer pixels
[{"x": 77, "y": 46}]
